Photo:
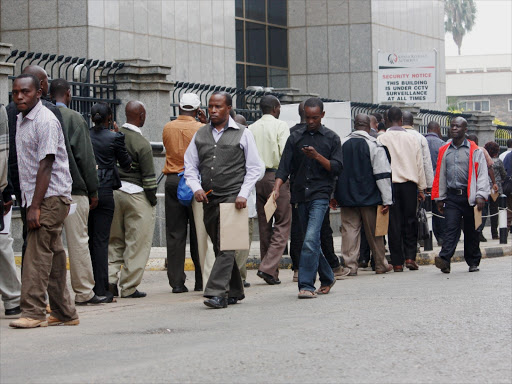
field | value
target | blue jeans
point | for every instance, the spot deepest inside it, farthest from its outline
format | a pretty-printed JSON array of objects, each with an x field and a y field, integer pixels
[{"x": 312, "y": 260}]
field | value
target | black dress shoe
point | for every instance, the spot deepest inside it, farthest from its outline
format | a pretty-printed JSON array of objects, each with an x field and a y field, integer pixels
[
  {"x": 13, "y": 311},
  {"x": 180, "y": 289},
  {"x": 481, "y": 237},
  {"x": 109, "y": 296},
  {"x": 113, "y": 290},
  {"x": 268, "y": 278},
  {"x": 246, "y": 284},
  {"x": 135, "y": 295},
  {"x": 474, "y": 268},
  {"x": 216, "y": 302},
  {"x": 234, "y": 300},
  {"x": 93, "y": 300},
  {"x": 198, "y": 287},
  {"x": 442, "y": 264}
]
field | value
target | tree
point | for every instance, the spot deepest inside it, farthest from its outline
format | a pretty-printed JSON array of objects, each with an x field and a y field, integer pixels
[{"x": 460, "y": 18}]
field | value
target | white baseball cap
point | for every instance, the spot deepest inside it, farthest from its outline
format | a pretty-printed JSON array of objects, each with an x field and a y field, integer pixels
[{"x": 189, "y": 102}]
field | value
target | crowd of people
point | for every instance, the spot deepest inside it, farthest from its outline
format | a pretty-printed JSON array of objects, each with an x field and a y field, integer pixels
[{"x": 98, "y": 184}]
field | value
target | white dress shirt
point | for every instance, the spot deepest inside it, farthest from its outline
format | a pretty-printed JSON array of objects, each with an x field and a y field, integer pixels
[{"x": 252, "y": 160}]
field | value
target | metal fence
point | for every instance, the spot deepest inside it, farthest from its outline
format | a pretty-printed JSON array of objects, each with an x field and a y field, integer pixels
[
  {"x": 502, "y": 134},
  {"x": 91, "y": 80},
  {"x": 245, "y": 101},
  {"x": 443, "y": 118}
]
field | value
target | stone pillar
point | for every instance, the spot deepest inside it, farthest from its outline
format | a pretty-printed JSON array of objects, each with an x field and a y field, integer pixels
[
  {"x": 293, "y": 95},
  {"x": 6, "y": 70},
  {"x": 481, "y": 125},
  {"x": 148, "y": 83}
]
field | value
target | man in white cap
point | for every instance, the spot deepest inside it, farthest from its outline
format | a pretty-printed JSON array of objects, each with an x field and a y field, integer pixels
[{"x": 176, "y": 137}]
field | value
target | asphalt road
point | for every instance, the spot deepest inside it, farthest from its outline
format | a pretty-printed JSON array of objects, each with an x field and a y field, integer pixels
[{"x": 410, "y": 327}]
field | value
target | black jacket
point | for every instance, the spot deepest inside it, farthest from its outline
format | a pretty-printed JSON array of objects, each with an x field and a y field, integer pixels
[{"x": 109, "y": 148}]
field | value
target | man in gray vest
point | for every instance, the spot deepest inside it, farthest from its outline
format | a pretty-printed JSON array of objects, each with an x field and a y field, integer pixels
[{"x": 223, "y": 159}]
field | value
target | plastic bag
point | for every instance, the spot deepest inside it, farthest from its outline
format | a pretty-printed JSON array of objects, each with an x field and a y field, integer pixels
[
  {"x": 185, "y": 194},
  {"x": 423, "y": 229}
]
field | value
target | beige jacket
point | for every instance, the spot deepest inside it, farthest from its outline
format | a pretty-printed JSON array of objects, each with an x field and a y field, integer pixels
[{"x": 406, "y": 157}]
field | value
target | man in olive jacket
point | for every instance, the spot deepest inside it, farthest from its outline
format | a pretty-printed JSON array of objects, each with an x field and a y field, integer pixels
[{"x": 84, "y": 192}]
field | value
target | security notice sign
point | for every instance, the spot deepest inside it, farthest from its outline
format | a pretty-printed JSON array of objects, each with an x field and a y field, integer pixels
[{"x": 407, "y": 77}]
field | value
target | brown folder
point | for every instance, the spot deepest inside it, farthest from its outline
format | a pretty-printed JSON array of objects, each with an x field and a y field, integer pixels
[
  {"x": 381, "y": 227},
  {"x": 234, "y": 227},
  {"x": 478, "y": 217},
  {"x": 270, "y": 207},
  {"x": 494, "y": 195}
]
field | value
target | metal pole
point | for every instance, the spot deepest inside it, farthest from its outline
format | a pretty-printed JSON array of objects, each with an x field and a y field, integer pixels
[
  {"x": 503, "y": 219},
  {"x": 428, "y": 243}
]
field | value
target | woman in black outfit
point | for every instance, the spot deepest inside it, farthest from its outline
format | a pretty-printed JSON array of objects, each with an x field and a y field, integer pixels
[{"x": 109, "y": 149}]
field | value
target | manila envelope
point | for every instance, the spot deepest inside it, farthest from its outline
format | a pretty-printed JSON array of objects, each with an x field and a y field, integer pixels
[
  {"x": 234, "y": 227},
  {"x": 478, "y": 217},
  {"x": 270, "y": 207},
  {"x": 381, "y": 227},
  {"x": 494, "y": 195}
]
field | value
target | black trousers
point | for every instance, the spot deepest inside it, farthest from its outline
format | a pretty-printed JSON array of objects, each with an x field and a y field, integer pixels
[
  {"x": 177, "y": 218},
  {"x": 493, "y": 208},
  {"x": 403, "y": 227},
  {"x": 297, "y": 238},
  {"x": 455, "y": 209},
  {"x": 100, "y": 220},
  {"x": 225, "y": 279}
]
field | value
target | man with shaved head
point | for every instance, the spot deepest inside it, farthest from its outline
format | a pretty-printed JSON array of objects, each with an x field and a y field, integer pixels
[
  {"x": 461, "y": 182},
  {"x": 133, "y": 223},
  {"x": 12, "y": 112},
  {"x": 364, "y": 183}
]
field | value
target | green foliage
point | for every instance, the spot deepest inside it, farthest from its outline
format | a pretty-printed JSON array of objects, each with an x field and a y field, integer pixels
[
  {"x": 460, "y": 18},
  {"x": 497, "y": 121}
]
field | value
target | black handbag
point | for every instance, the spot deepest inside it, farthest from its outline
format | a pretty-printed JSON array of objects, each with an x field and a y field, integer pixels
[
  {"x": 507, "y": 185},
  {"x": 423, "y": 229}
]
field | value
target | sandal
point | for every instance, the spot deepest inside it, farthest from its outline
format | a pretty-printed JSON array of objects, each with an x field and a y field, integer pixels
[
  {"x": 303, "y": 294},
  {"x": 324, "y": 290}
]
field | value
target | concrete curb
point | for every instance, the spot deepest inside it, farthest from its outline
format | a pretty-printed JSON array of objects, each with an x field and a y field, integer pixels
[{"x": 423, "y": 258}]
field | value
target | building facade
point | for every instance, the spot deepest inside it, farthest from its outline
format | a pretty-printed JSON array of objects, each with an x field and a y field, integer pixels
[
  {"x": 327, "y": 47},
  {"x": 481, "y": 83}
]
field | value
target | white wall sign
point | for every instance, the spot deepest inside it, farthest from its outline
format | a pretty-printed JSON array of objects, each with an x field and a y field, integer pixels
[{"x": 407, "y": 77}]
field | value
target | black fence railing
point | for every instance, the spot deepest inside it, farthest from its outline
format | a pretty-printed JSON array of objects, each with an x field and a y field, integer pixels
[
  {"x": 91, "y": 80},
  {"x": 502, "y": 134},
  {"x": 245, "y": 101},
  {"x": 443, "y": 118}
]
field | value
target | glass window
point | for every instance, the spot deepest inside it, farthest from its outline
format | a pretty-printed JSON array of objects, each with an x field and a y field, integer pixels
[
  {"x": 278, "y": 78},
  {"x": 256, "y": 76},
  {"x": 478, "y": 106},
  {"x": 239, "y": 8},
  {"x": 255, "y": 10},
  {"x": 463, "y": 106},
  {"x": 277, "y": 12},
  {"x": 510, "y": 105},
  {"x": 485, "y": 106},
  {"x": 278, "y": 47},
  {"x": 239, "y": 40},
  {"x": 240, "y": 76},
  {"x": 255, "y": 40}
]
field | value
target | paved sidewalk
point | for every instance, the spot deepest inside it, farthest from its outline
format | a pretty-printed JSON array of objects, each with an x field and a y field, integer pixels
[{"x": 412, "y": 327}]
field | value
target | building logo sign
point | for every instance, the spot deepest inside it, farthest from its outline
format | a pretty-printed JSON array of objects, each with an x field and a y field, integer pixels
[{"x": 407, "y": 77}]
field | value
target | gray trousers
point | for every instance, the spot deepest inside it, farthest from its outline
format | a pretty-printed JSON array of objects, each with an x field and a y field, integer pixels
[
  {"x": 225, "y": 280},
  {"x": 10, "y": 286}
]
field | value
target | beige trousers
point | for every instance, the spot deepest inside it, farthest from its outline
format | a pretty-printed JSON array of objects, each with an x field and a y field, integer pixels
[
  {"x": 242, "y": 256},
  {"x": 131, "y": 237},
  {"x": 352, "y": 218},
  {"x": 77, "y": 237},
  {"x": 204, "y": 244}
]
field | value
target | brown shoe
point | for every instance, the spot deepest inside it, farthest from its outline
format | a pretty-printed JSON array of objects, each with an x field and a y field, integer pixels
[
  {"x": 340, "y": 272},
  {"x": 27, "y": 322},
  {"x": 54, "y": 321},
  {"x": 398, "y": 268},
  {"x": 411, "y": 264},
  {"x": 388, "y": 269}
]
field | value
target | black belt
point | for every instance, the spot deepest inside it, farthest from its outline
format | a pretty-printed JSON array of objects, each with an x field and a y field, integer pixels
[
  {"x": 270, "y": 170},
  {"x": 458, "y": 191}
]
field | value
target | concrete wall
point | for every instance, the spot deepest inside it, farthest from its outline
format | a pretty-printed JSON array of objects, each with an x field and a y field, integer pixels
[
  {"x": 180, "y": 34},
  {"x": 334, "y": 44},
  {"x": 498, "y": 105}
]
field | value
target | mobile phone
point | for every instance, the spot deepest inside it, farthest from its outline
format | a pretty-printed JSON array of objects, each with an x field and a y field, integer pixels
[{"x": 305, "y": 146}]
